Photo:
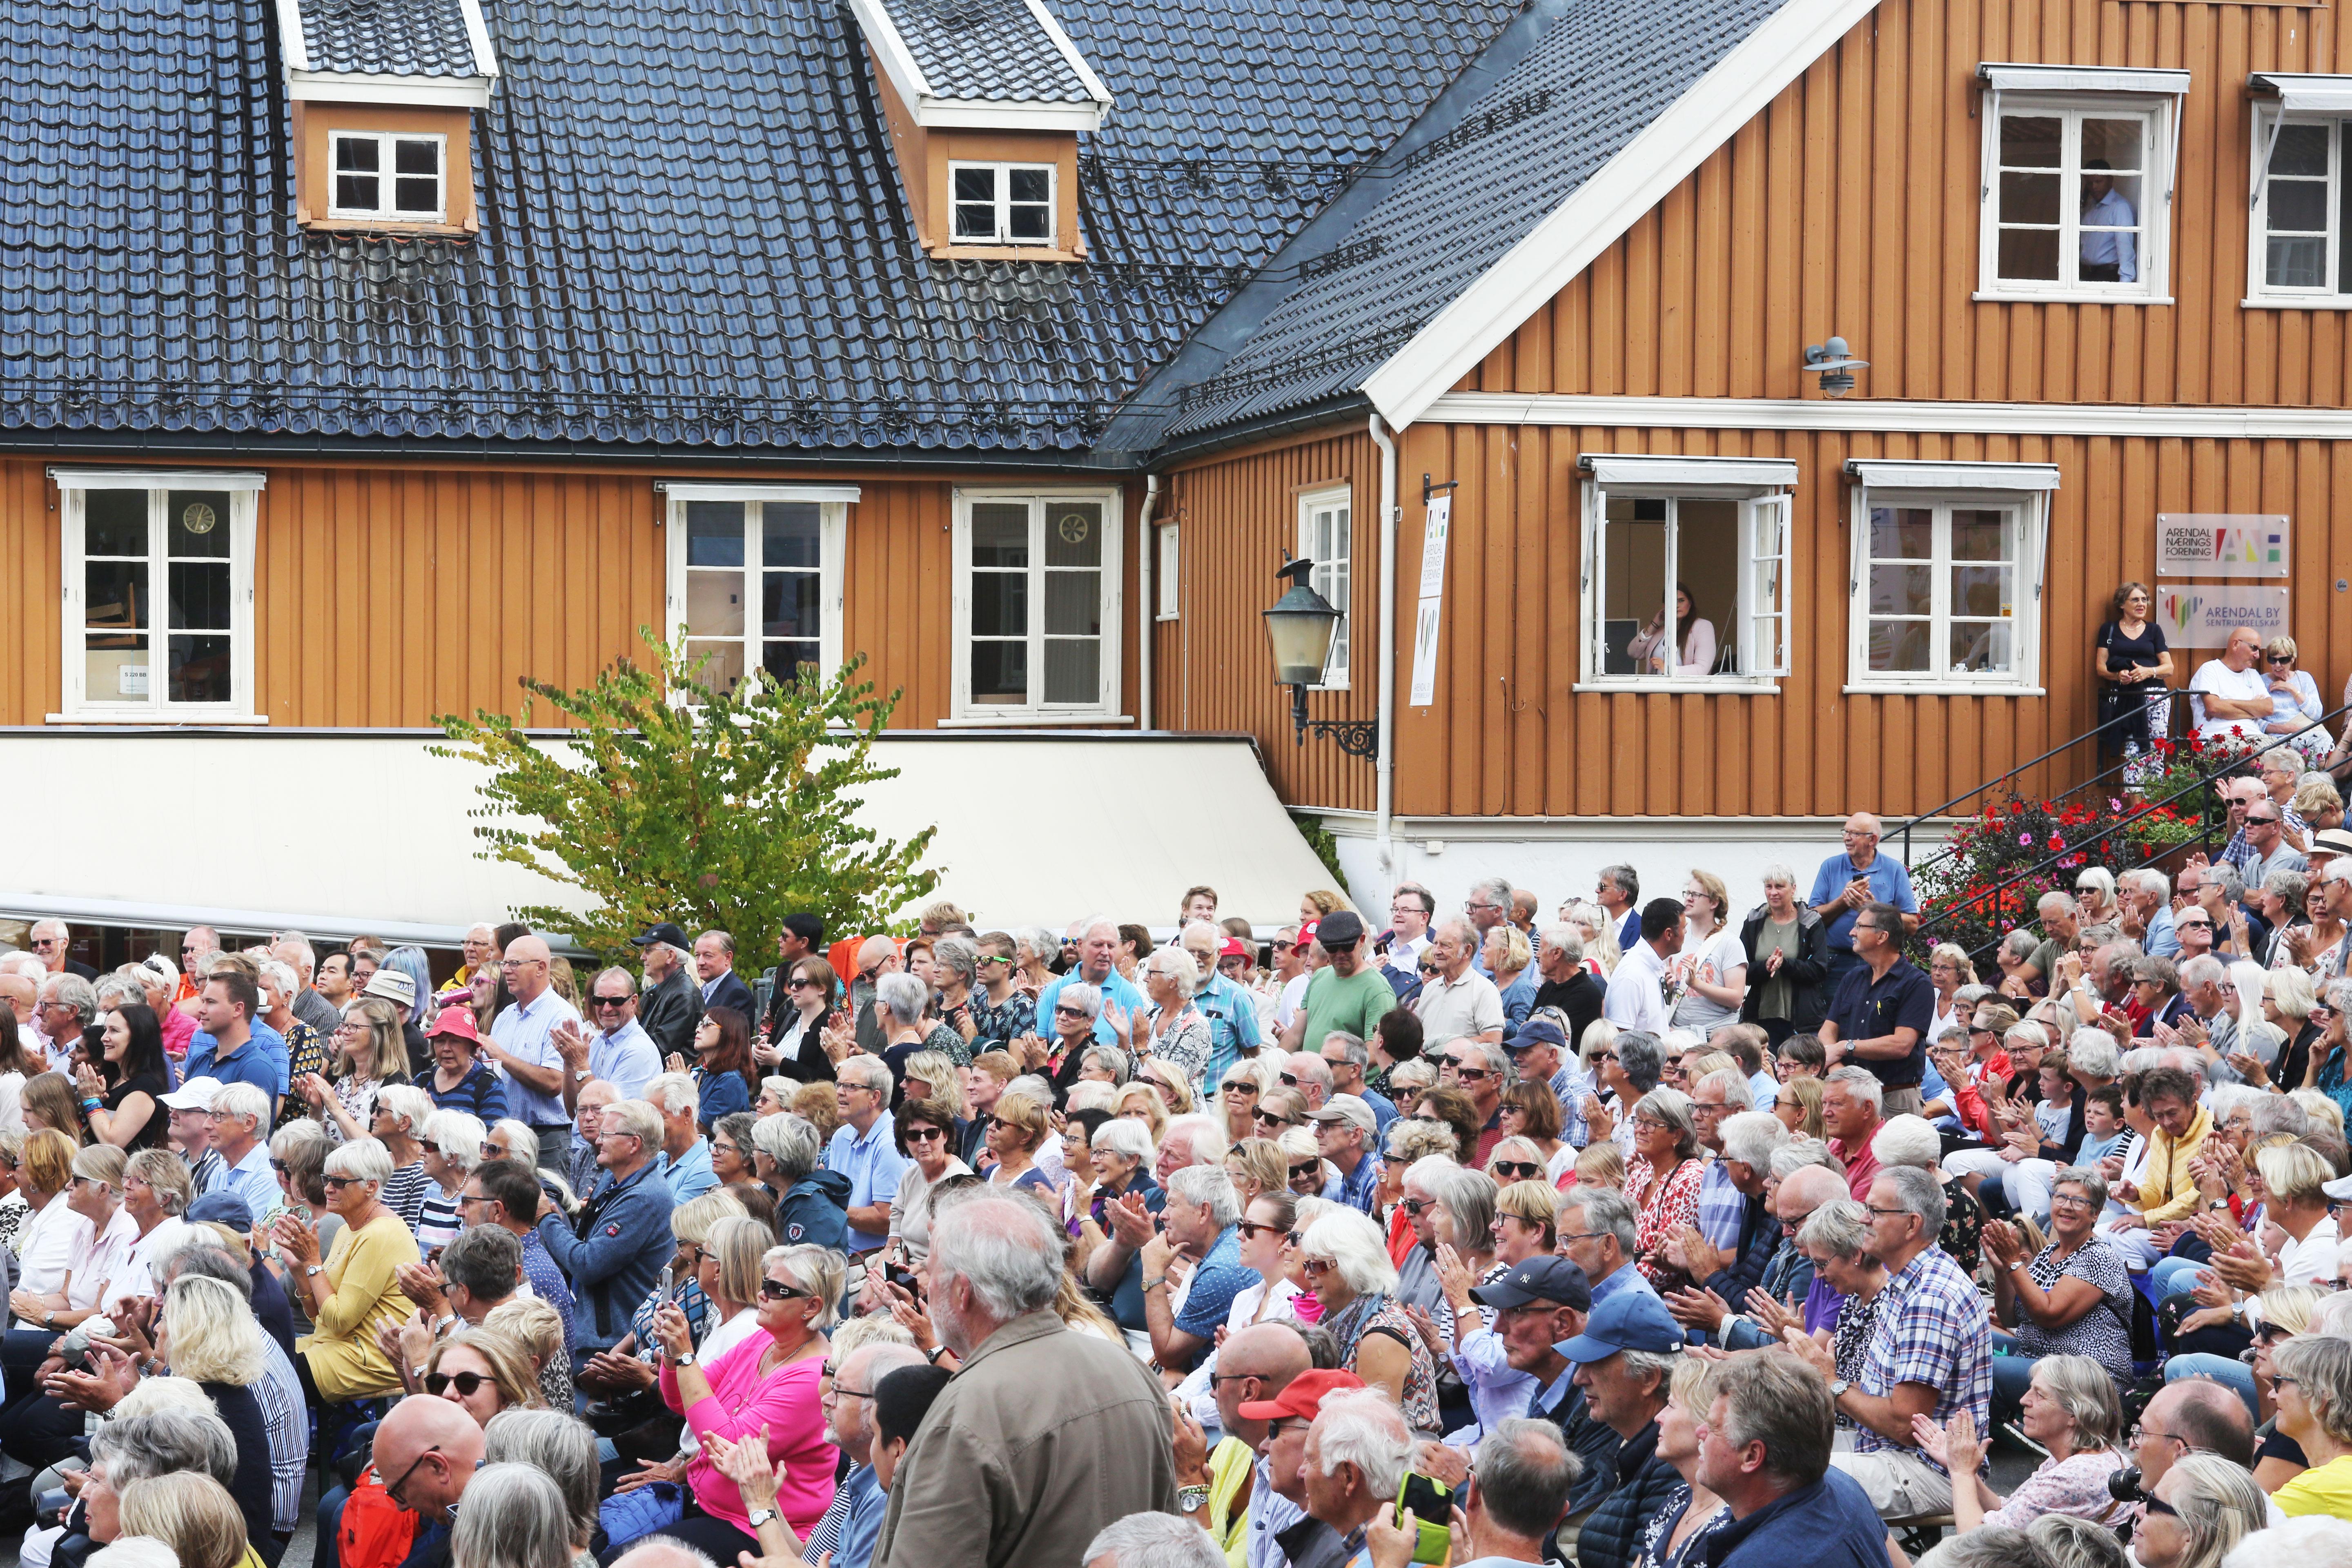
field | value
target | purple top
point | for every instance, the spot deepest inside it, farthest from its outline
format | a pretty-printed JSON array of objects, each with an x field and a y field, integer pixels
[{"x": 1824, "y": 1306}]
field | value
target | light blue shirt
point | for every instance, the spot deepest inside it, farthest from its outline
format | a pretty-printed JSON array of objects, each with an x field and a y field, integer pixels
[
  {"x": 872, "y": 1163},
  {"x": 691, "y": 1176},
  {"x": 1627, "y": 1277},
  {"x": 2109, "y": 213},
  {"x": 1889, "y": 883},
  {"x": 252, "y": 1179},
  {"x": 262, "y": 1061},
  {"x": 1270, "y": 1513},
  {"x": 1114, "y": 989},
  {"x": 524, "y": 1032},
  {"x": 2161, "y": 941},
  {"x": 862, "y": 1527},
  {"x": 626, "y": 1058}
]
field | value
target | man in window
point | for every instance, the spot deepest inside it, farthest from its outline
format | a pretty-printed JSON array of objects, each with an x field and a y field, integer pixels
[{"x": 2110, "y": 252}]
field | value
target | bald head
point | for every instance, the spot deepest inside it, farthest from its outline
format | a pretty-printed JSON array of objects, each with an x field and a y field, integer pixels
[
  {"x": 1271, "y": 1351},
  {"x": 2203, "y": 1415},
  {"x": 22, "y": 997},
  {"x": 435, "y": 1443},
  {"x": 875, "y": 953},
  {"x": 527, "y": 961},
  {"x": 1805, "y": 1189}
]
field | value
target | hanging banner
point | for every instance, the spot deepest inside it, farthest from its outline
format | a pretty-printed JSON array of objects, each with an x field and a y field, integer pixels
[
  {"x": 2201, "y": 614},
  {"x": 1438, "y": 523},
  {"x": 2220, "y": 544}
]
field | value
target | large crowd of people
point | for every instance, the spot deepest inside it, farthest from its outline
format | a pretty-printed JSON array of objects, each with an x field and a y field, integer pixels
[{"x": 1653, "y": 1236}]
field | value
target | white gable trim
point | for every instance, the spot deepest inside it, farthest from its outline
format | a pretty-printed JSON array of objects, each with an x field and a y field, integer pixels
[
  {"x": 359, "y": 87},
  {"x": 478, "y": 35},
  {"x": 898, "y": 59},
  {"x": 1527, "y": 276},
  {"x": 293, "y": 53}
]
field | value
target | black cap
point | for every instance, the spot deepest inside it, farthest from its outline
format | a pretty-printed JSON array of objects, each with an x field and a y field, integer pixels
[
  {"x": 666, "y": 931},
  {"x": 1339, "y": 931},
  {"x": 1543, "y": 1278}
]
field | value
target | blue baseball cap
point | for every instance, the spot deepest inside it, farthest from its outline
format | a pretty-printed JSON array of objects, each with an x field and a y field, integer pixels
[
  {"x": 1632, "y": 1320},
  {"x": 1543, "y": 1278}
]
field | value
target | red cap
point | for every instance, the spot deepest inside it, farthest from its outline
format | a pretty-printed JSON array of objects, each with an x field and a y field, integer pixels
[
  {"x": 1233, "y": 949},
  {"x": 1307, "y": 932},
  {"x": 1303, "y": 1396},
  {"x": 457, "y": 1019}
]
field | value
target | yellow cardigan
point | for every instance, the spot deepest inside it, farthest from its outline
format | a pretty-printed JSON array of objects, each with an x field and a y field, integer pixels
[
  {"x": 361, "y": 1275},
  {"x": 2167, "y": 1190}
]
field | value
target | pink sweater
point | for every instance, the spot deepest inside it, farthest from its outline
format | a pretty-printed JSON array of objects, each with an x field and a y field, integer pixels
[{"x": 740, "y": 1403}]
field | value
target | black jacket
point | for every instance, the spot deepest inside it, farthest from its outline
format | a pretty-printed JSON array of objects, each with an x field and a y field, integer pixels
[
  {"x": 670, "y": 1011},
  {"x": 1809, "y": 972},
  {"x": 1612, "y": 1535},
  {"x": 1580, "y": 996},
  {"x": 731, "y": 993}
]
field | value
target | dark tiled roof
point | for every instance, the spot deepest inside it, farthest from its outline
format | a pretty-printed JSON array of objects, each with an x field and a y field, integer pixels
[
  {"x": 387, "y": 38},
  {"x": 692, "y": 235},
  {"x": 1604, "y": 71},
  {"x": 987, "y": 49}
]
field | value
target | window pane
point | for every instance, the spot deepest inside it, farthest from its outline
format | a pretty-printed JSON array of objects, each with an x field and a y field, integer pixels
[
  {"x": 197, "y": 524},
  {"x": 714, "y": 534},
  {"x": 786, "y": 660},
  {"x": 115, "y": 670},
  {"x": 726, "y": 665},
  {"x": 1072, "y": 604},
  {"x": 999, "y": 534},
  {"x": 1073, "y": 533},
  {"x": 1633, "y": 576},
  {"x": 1980, "y": 646},
  {"x": 1030, "y": 222},
  {"x": 788, "y": 533},
  {"x": 2029, "y": 140},
  {"x": 2029, "y": 255},
  {"x": 199, "y": 668},
  {"x": 357, "y": 192},
  {"x": 2300, "y": 150},
  {"x": 975, "y": 186},
  {"x": 1033, "y": 185},
  {"x": 714, "y": 603},
  {"x": 1983, "y": 591},
  {"x": 357, "y": 153},
  {"x": 415, "y": 155},
  {"x": 1898, "y": 645},
  {"x": 789, "y": 606},
  {"x": 974, "y": 222},
  {"x": 2117, "y": 143},
  {"x": 2297, "y": 206},
  {"x": 1980, "y": 535},
  {"x": 2028, "y": 198},
  {"x": 1902, "y": 590},
  {"x": 114, "y": 594},
  {"x": 1000, "y": 603},
  {"x": 1902, "y": 533},
  {"x": 1073, "y": 666},
  {"x": 199, "y": 595},
  {"x": 1000, "y": 673},
  {"x": 2297, "y": 263},
  {"x": 417, "y": 195},
  {"x": 114, "y": 523}
]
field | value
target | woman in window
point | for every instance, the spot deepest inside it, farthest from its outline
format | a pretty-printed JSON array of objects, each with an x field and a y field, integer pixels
[
  {"x": 2132, "y": 662},
  {"x": 1655, "y": 653}
]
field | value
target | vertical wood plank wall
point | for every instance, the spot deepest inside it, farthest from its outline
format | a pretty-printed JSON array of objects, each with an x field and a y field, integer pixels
[{"x": 384, "y": 596}]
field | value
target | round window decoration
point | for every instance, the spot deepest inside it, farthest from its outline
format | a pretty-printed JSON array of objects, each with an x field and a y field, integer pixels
[
  {"x": 197, "y": 517},
  {"x": 1073, "y": 527}
]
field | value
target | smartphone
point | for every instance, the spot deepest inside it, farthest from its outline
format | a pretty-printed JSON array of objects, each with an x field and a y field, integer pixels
[
  {"x": 669, "y": 1270},
  {"x": 1432, "y": 1503}
]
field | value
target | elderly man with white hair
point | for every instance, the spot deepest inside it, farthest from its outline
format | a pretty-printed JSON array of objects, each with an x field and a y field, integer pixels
[
  {"x": 1731, "y": 1270},
  {"x": 2144, "y": 900},
  {"x": 292, "y": 949},
  {"x": 1071, "y": 1432},
  {"x": 1358, "y": 1452},
  {"x": 1198, "y": 1225},
  {"x": 51, "y": 940},
  {"x": 865, "y": 1148},
  {"x": 240, "y": 1121},
  {"x": 1153, "y": 1540},
  {"x": 1849, "y": 881},
  {"x": 1097, "y": 966}
]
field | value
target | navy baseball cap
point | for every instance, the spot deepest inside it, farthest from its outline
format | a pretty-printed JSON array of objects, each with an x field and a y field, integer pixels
[
  {"x": 1536, "y": 1032},
  {"x": 1632, "y": 1320},
  {"x": 1543, "y": 1278}
]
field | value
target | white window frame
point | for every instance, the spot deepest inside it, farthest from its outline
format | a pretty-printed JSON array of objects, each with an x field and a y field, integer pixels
[
  {"x": 385, "y": 154},
  {"x": 1001, "y": 174},
  {"x": 1762, "y": 487},
  {"x": 2071, "y": 93},
  {"x": 1105, "y": 708},
  {"x": 1325, "y": 578},
  {"x": 76, "y": 703},
  {"x": 832, "y": 549},
  {"x": 1167, "y": 581},
  {"x": 2330, "y": 100},
  {"x": 2026, "y": 489}
]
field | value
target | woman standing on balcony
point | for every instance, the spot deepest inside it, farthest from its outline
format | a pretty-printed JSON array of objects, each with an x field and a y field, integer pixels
[{"x": 2133, "y": 662}]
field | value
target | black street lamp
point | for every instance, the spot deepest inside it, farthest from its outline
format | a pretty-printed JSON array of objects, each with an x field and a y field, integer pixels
[{"x": 1299, "y": 628}]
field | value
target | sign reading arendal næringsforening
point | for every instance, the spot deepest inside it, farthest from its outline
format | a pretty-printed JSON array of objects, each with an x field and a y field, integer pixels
[{"x": 2220, "y": 544}]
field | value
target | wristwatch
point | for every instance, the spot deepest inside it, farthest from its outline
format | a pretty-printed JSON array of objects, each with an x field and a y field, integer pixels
[
  {"x": 684, "y": 1358},
  {"x": 933, "y": 1354},
  {"x": 1192, "y": 1498},
  {"x": 582, "y": 1075},
  {"x": 1838, "y": 1388},
  {"x": 314, "y": 1268},
  {"x": 758, "y": 1517}
]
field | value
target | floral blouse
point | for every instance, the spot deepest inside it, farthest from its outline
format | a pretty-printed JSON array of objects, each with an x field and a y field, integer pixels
[
  {"x": 2102, "y": 1333},
  {"x": 1850, "y": 1340},
  {"x": 2076, "y": 1485},
  {"x": 1653, "y": 1552},
  {"x": 1666, "y": 1208},
  {"x": 1184, "y": 1045}
]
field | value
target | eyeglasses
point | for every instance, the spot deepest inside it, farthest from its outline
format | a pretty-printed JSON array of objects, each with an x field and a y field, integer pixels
[
  {"x": 1474, "y": 1075},
  {"x": 392, "y": 1491},
  {"x": 925, "y": 1134},
  {"x": 2072, "y": 1201},
  {"x": 1414, "y": 1205},
  {"x": 618, "y": 1001},
  {"x": 1061, "y": 1011},
  {"x": 1518, "y": 1170},
  {"x": 338, "y": 1181},
  {"x": 2279, "y": 658},
  {"x": 1250, "y": 1227},
  {"x": 1888, "y": 1214},
  {"x": 1241, "y": 1086},
  {"x": 1306, "y": 1168},
  {"x": 1314, "y": 1266},
  {"x": 1272, "y": 1118},
  {"x": 777, "y": 1290},
  {"x": 1288, "y": 1079},
  {"x": 468, "y": 1384},
  {"x": 2278, "y": 1381}
]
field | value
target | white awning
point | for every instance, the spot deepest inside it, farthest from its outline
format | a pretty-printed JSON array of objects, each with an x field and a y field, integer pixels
[
  {"x": 338, "y": 833},
  {"x": 156, "y": 478},
  {"x": 1902, "y": 474},
  {"x": 2005, "y": 77},
  {"x": 683, "y": 489},
  {"x": 2302, "y": 94},
  {"x": 1627, "y": 472}
]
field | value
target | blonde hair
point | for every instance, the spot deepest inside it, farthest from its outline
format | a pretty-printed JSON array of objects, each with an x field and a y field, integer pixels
[
  {"x": 1712, "y": 886},
  {"x": 939, "y": 1070},
  {"x": 1262, "y": 1164},
  {"x": 738, "y": 1243},
  {"x": 389, "y": 1045},
  {"x": 214, "y": 1336},
  {"x": 1601, "y": 1165},
  {"x": 1809, "y": 1095},
  {"x": 1951, "y": 952},
  {"x": 1169, "y": 1076},
  {"x": 1155, "y": 1109},
  {"x": 2294, "y": 1172},
  {"x": 191, "y": 1513},
  {"x": 875, "y": 1328},
  {"x": 1601, "y": 946},
  {"x": 2320, "y": 1107},
  {"x": 1537, "y": 1202},
  {"x": 1028, "y": 1118},
  {"x": 818, "y": 1269},
  {"x": 531, "y": 1322},
  {"x": 507, "y": 1356},
  {"x": 690, "y": 1222},
  {"x": 2289, "y": 1307}
]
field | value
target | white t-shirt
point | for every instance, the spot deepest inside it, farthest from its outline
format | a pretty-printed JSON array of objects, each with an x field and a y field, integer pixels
[
  {"x": 47, "y": 1241},
  {"x": 95, "y": 1259},
  {"x": 2237, "y": 686},
  {"x": 1713, "y": 963},
  {"x": 1294, "y": 997},
  {"x": 2312, "y": 1260}
]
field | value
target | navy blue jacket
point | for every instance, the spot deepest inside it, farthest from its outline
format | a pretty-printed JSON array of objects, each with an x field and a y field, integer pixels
[
  {"x": 1611, "y": 1536},
  {"x": 1789, "y": 1276},
  {"x": 816, "y": 1212},
  {"x": 1829, "y": 1524},
  {"x": 478, "y": 1093},
  {"x": 613, "y": 1252},
  {"x": 1759, "y": 1239}
]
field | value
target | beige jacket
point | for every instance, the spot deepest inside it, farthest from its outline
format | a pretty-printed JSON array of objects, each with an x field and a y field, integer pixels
[{"x": 1041, "y": 1439}]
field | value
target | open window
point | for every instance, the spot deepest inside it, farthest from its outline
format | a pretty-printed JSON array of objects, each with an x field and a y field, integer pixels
[
  {"x": 1327, "y": 536},
  {"x": 1948, "y": 576},
  {"x": 2079, "y": 166},
  {"x": 755, "y": 578},
  {"x": 2301, "y": 252},
  {"x": 1036, "y": 605},
  {"x": 1687, "y": 567},
  {"x": 158, "y": 593}
]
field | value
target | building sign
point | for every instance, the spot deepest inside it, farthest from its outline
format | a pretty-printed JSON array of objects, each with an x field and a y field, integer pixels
[
  {"x": 1439, "y": 522},
  {"x": 2220, "y": 544},
  {"x": 2197, "y": 614}
]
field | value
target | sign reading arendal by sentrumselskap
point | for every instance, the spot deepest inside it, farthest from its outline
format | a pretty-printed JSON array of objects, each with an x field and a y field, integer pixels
[{"x": 2220, "y": 544}]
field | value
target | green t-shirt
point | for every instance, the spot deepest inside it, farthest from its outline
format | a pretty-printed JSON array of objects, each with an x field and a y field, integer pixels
[{"x": 1354, "y": 1004}]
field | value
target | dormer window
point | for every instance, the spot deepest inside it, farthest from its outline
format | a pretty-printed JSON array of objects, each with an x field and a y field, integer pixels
[
  {"x": 392, "y": 177},
  {"x": 1004, "y": 204}
]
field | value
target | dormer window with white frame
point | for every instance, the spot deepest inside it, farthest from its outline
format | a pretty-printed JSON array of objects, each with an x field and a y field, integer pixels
[
  {"x": 1659, "y": 611},
  {"x": 388, "y": 176},
  {"x": 1002, "y": 204},
  {"x": 2300, "y": 235},
  {"x": 1947, "y": 576},
  {"x": 2077, "y": 183}
]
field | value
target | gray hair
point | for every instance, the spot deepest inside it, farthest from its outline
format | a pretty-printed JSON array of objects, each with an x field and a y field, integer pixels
[
  {"x": 2093, "y": 1053},
  {"x": 957, "y": 957},
  {"x": 552, "y": 1442},
  {"x": 486, "y": 1259},
  {"x": 2093, "y": 937},
  {"x": 1920, "y": 1193},
  {"x": 72, "y": 990},
  {"x": 1352, "y": 1048},
  {"x": 1153, "y": 1540},
  {"x": 246, "y": 1101},
  {"x": 1497, "y": 1060},
  {"x": 1779, "y": 874},
  {"x": 1624, "y": 878},
  {"x": 362, "y": 1160},
  {"x": 903, "y": 995},
  {"x": 792, "y": 1141},
  {"x": 1987, "y": 1546},
  {"x": 1006, "y": 1249},
  {"x": 1078, "y": 994},
  {"x": 1362, "y": 1429},
  {"x": 1799, "y": 1152},
  {"x": 2082, "y": 1388},
  {"x": 163, "y": 1443},
  {"x": 2018, "y": 943},
  {"x": 2202, "y": 970},
  {"x": 515, "y": 1517},
  {"x": 135, "y": 1552},
  {"x": 1110, "y": 1059},
  {"x": 458, "y": 1135},
  {"x": 865, "y": 1071},
  {"x": 1204, "y": 1135},
  {"x": 1212, "y": 1188},
  {"x": 2054, "y": 899},
  {"x": 1353, "y": 1244},
  {"x": 2322, "y": 1367},
  {"x": 1862, "y": 1083},
  {"x": 522, "y": 1143},
  {"x": 1126, "y": 1137},
  {"x": 1673, "y": 1107},
  {"x": 1526, "y": 1472},
  {"x": 1177, "y": 965},
  {"x": 1467, "y": 1196},
  {"x": 2229, "y": 879},
  {"x": 1840, "y": 1227},
  {"x": 1607, "y": 1212},
  {"x": 1641, "y": 1058},
  {"x": 1907, "y": 1140},
  {"x": 2309, "y": 1540},
  {"x": 1753, "y": 1138},
  {"x": 1777, "y": 1400},
  {"x": 2277, "y": 1114},
  {"x": 2070, "y": 1543},
  {"x": 2088, "y": 1178},
  {"x": 676, "y": 1093},
  {"x": 1734, "y": 1084},
  {"x": 1566, "y": 940}
]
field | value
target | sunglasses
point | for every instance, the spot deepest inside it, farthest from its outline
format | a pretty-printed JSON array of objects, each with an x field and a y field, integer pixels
[
  {"x": 777, "y": 1290},
  {"x": 1306, "y": 1168},
  {"x": 619, "y": 1001},
  {"x": 1069, "y": 1011},
  {"x": 925, "y": 1134},
  {"x": 1315, "y": 1267},
  {"x": 1518, "y": 1170},
  {"x": 1414, "y": 1205},
  {"x": 1250, "y": 1227},
  {"x": 468, "y": 1384},
  {"x": 1474, "y": 1075},
  {"x": 1270, "y": 1117},
  {"x": 1241, "y": 1086},
  {"x": 1289, "y": 1080}
]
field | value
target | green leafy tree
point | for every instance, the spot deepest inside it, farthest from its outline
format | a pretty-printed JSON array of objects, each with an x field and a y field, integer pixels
[{"x": 732, "y": 809}]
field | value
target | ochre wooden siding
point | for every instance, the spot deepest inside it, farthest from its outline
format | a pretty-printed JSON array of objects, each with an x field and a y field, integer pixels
[
  {"x": 1211, "y": 665},
  {"x": 384, "y": 596},
  {"x": 1851, "y": 206}
]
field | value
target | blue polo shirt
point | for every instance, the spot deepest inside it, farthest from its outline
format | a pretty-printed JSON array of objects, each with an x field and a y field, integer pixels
[
  {"x": 1829, "y": 1524},
  {"x": 1215, "y": 1283},
  {"x": 872, "y": 1163},
  {"x": 1902, "y": 998},
  {"x": 1889, "y": 884},
  {"x": 261, "y": 1061},
  {"x": 1114, "y": 989}
]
